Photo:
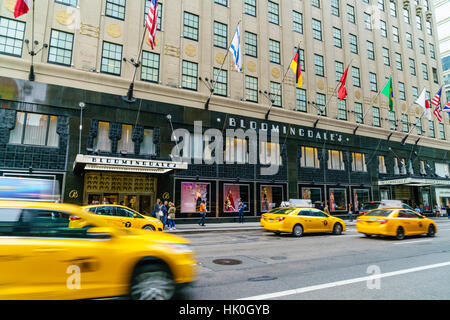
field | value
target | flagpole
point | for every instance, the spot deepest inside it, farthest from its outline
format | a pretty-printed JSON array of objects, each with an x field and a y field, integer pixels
[
  {"x": 284, "y": 77},
  {"x": 211, "y": 90},
  {"x": 410, "y": 130},
  {"x": 328, "y": 100},
  {"x": 366, "y": 112}
]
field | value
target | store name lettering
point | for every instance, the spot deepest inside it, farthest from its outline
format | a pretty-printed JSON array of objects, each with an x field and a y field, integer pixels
[
  {"x": 285, "y": 130},
  {"x": 134, "y": 163}
]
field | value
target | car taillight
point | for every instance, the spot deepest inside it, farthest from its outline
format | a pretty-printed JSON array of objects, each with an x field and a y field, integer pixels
[
  {"x": 280, "y": 218},
  {"x": 358, "y": 220},
  {"x": 383, "y": 221},
  {"x": 73, "y": 218}
]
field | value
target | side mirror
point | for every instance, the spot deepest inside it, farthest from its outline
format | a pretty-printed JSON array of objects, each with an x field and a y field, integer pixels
[{"x": 99, "y": 233}]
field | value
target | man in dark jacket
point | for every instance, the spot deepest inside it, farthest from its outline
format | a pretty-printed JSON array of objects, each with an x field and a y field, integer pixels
[
  {"x": 156, "y": 209},
  {"x": 165, "y": 211}
]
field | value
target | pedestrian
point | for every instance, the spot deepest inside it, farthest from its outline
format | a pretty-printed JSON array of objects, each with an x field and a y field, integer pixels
[
  {"x": 202, "y": 210},
  {"x": 105, "y": 201},
  {"x": 321, "y": 207},
  {"x": 171, "y": 215},
  {"x": 325, "y": 209},
  {"x": 448, "y": 210},
  {"x": 165, "y": 211},
  {"x": 241, "y": 208},
  {"x": 350, "y": 212},
  {"x": 438, "y": 210},
  {"x": 157, "y": 210}
]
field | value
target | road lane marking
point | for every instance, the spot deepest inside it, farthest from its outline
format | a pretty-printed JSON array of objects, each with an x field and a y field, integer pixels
[
  {"x": 344, "y": 282},
  {"x": 409, "y": 242}
]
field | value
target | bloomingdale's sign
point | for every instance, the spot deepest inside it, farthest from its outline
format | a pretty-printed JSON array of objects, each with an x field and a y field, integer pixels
[{"x": 291, "y": 130}]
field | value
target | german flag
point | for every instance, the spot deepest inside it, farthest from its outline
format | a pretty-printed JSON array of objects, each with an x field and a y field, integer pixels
[{"x": 296, "y": 67}]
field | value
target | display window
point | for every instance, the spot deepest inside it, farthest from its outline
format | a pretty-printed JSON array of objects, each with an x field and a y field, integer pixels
[
  {"x": 233, "y": 194},
  {"x": 270, "y": 197},
  {"x": 338, "y": 199},
  {"x": 192, "y": 195},
  {"x": 360, "y": 196}
]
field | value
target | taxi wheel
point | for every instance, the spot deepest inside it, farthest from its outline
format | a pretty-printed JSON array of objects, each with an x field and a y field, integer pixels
[
  {"x": 400, "y": 234},
  {"x": 152, "y": 282},
  {"x": 431, "y": 231},
  {"x": 337, "y": 229},
  {"x": 149, "y": 227},
  {"x": 298, "y": 230}
]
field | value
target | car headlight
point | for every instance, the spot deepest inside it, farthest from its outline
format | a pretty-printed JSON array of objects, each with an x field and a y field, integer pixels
[{"x": 181, "y": 248}]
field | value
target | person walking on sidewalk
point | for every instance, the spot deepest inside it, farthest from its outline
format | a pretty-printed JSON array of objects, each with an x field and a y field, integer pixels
[
  {"x": 171, "y": 215},
  {"x": 157, "y": 209},
  {"x": 203, "y": 213},
  {"x": 325, "y": 209},
  {"x": 241, "y": 212},
  {"x": 350, "y": 212},
  {"x": 165, "y": 211}
]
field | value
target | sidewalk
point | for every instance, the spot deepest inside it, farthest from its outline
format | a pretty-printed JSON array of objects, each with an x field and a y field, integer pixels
[{"x": 246, "y": 226}]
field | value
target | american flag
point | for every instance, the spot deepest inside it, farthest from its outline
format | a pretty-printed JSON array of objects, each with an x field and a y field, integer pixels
[
  {"x": 447, "y": 108},
  {"x": 437, "y": 113},
  {"x": 437, "y": 98},
  {"x": 152, "y": 21}
]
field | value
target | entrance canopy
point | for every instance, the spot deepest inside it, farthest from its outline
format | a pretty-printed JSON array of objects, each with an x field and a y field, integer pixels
[
  {"x": 415, "y": 182},
  {"x": 100, "y": 163}
]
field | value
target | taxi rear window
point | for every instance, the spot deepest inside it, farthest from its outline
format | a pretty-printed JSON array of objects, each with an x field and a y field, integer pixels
[
  {"x": 379, "y": 213},
  {"x": 282, "y": 211},
  {"x": 370, "y": 205}
]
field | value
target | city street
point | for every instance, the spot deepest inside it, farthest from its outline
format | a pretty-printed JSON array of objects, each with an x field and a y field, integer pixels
[{"x": 321, "y": 266}]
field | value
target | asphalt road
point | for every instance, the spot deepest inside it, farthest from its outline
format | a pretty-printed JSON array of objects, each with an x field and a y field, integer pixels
[{"x": 321, "y": 266}]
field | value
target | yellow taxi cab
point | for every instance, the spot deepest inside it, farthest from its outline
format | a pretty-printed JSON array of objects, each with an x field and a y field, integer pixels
[
  {"x": 43, "y": 257},
  {"x": 395, "y": 222},
  {"x": 301, "y": 220},
  {"x": 125, "y": 217},
  {"x": 262, "y": 221}
]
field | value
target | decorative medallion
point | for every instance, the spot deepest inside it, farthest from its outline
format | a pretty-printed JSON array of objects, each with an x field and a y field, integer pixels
[
  {"x": 404, "y": 107},
  {"x": 89, "y": 30},
  {"x": 190, "y": 51},
  {"x": 275, "y": 73},
  {"x": 357, "y": 94},
  {"x": 64, "y": 18},
  {"x": 220, "y": 58},
  {"x": 320, "y": 84},
  {"x": 114, "y": 30},
  {"x": 418, "y": 111},
  {"x": 251, "y": 66}
]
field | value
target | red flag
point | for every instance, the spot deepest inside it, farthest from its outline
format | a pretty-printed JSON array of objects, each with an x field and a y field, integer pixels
[
  {"x": 437, "y": 113},
  {"x": 21, "y": 7},
  {"x": 342, "y": 89}
]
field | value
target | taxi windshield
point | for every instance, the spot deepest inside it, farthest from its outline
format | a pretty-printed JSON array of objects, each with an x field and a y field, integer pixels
[
  {"x": 379, "y": 213},
  {"x": 281, "y": 211}
]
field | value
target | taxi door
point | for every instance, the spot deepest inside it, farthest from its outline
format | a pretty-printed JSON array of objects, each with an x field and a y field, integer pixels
[
  {"x": 409, "y": 221},
  {"x": 108, "y": 214},
  {"x": 305, "y": 218},
  {"x": 320, "y": 221},
  {"x": 127, "y": 218}
]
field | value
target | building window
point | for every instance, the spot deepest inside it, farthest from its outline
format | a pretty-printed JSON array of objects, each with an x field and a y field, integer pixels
[
  {"x": 220, "y": 35},
  {"x": 401, "y": 91},
  {"x": 321, "y": 103},
  {"x": 421, "y": 46},
  {"x": 146, "y": 9},
  {"x": 275, "y": 93},
  {"x": 111, "y": 58},
  {"x": 337, "y": 38},
  {"x": 406, "y": 16},
  {"x": 309, "y": 158},
  {"x": 395, "y": 35},
  {"x": 359, "y": 112},
  {"x": 189, "y": 75},
  {"x": 342, "y": 109},
  {"x": 356, "y": 77},
  {"x": 222, "y": 2},
  {"x": 297, "y": 22},
  {"x": 221, "y": 88},
  {"x": 274, "y": 51},
  {"x": 392, "y": 120},
  {"x": 126, "y": 141},
  {"x": 396, "y": 167},
  {"x": 373, "y": 82},
  {"x": 317, "y": 29},
  {"x": 315, "y": 3},
  {"x": 422, "y": 168},
  {"x": 419, "y": 22},
  {"x": 335, "y": 160},
  {"x": 419, "y": 126},
  {"x": 190, "y": 26},
  {"x": 35, "y": 129},
  {"x": 415, "y": 92},
  {"x": 150, "y": 66},
  {"x": 412, "y": 66},
  {"x": 350, "y": 13},
  {"x": 425, "y": 71},
  {"x": 381, "y": 165},
  {"x": 431, "y": 127},
  {"x": 72, "y": 3},
  {"x": 393, "y": 8},
  {"x": 115, "y": 9},
  {"x": 269, "y": 151},
  {"x": 409, "y": 42},
  {"x": 403, "y": 166},
  {"x": 250, "y": 7},
  {"x": 359, "y": 162},
  {"x": 302, "y": 59},
  {"x": 381, "y": 5},
  {"x": 435, "y": 75},
  {"x": 251, "y": 89},
  {"x": 370, "y": 51},
  {"x": 148, "y": 145},
  {"x": 398, "y": 61},
  {"x": 301, "y": 104},
  {"x": 318, "y": 65},
  {"x": 386, "y": 59},
  {"x": 383, "y": 28},
  {"x": 251, "y": 44},
  {"x": 353, "y": 43},
  {"x": 376, "y": 117},
  {"x": 405, "y": 125},
  {"x": 442, "y": 131},
  {"x": 339, "y": 70},
  {"x": 335, "y": 7},
  {"x": 429, "y": 28},
  {"x": 273, "y": 12},
  {"x": 61, "y": 46},
  {"x": 432, "y": 51},
  {"x": 11, "y": 36},
  {"x": 367, "y": 21},
  {"x": 102, "y": 141}
]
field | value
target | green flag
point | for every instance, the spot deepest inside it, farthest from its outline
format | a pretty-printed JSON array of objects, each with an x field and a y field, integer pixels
[{"x": 388, "y": 91}]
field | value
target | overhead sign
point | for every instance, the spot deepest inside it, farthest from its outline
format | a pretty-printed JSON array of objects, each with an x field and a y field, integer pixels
[{"x": 414, "y": 181}]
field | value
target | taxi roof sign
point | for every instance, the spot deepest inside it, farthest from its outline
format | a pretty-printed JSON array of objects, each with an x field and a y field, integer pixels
[{"x": 299, "y": 203}]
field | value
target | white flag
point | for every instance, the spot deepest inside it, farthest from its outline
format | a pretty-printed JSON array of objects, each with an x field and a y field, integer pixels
[
  {"x": 425, "y": 104},
  {"x": 235, "y": 49}
]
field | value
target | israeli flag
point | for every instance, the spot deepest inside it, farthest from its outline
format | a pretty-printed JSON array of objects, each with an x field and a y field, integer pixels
[{"x": 235, "y": 49}]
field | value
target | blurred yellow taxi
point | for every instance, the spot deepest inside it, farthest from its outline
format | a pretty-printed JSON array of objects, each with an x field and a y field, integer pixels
[
  {"x": 42, "y": 257},
  {"x": 262, "y": 220},
  {"x": 125, "y": 217},
  {"x": 395, "y": 222},
  {"x": 301, "y": 220}
]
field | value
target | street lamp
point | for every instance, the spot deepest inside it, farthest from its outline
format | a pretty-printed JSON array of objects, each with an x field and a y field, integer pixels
[{"x": 82, "y": 105}]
